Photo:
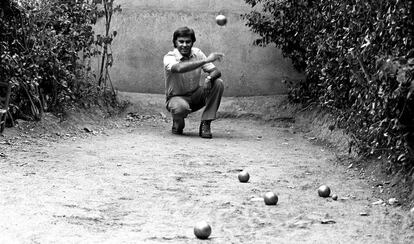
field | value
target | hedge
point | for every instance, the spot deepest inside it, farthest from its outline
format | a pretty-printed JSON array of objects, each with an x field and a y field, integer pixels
[
  {"x": 358, "y": 58},
  {"x": 46, "y": 48}
]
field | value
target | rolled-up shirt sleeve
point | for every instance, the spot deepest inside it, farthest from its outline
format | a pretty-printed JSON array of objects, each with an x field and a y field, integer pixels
[{"x": 169, "y": 61}]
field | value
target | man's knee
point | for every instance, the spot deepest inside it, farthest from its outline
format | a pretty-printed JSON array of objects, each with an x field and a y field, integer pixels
[
  {"x": 178, "y": 107},
  {"x": 219, "y": 84}
]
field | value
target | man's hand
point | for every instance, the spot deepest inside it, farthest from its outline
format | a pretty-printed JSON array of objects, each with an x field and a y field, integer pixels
[
  {"x": 214, "y": 56},
  {"x": 207, "y": 84}
]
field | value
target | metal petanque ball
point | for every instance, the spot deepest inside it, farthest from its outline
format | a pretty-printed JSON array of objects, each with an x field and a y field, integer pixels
[
  {"x": 202, "y": 230},
  {"x": 270, "y": 198},
  {"x": 324, "y": 191},
  {"x": 221, "y": 20},
  {"x": 244, "y": 176}
]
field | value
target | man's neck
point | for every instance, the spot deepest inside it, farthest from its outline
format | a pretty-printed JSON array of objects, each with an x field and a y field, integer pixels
[{"x": 185, "y": 57}]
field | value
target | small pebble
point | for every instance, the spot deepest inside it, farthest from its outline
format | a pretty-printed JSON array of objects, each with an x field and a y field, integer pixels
[{"x": 392, "y": 201}]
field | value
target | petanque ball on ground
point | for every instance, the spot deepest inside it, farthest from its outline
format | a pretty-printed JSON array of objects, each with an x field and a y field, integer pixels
[
  {"x": 221, "y": 20},
  {"x": 202, "y": 230},
  {"x": 324, "y": 191},
  {"x": 270, "y": 198},
  {"x": 244, "y": 176},
  {"x": 334, "y": 197}
]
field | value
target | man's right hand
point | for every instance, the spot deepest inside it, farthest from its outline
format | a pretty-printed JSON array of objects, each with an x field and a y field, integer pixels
[{"x": 214, "y": 56}]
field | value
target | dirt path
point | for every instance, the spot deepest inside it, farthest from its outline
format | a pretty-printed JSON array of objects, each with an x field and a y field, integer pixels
[{"x": 141, "y": 184}]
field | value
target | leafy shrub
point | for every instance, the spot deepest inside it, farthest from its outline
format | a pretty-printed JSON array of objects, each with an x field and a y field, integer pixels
[
  {"x": 358, "y": 58},
  {"x": 45, "y": 48}
]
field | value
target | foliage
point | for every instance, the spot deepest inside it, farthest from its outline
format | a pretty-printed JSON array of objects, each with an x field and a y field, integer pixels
[
  {"x": 358, "y": 58},
  {"x": 46, "y": 47}
]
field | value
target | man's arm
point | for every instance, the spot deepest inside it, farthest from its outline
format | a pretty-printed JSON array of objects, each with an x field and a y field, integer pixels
[
  {"x": 192, "y": 65},
  {"x": 212, "y": 76}
]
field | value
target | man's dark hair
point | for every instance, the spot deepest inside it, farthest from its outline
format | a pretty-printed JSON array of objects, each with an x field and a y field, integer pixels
[{"x": 183, "y": 32}]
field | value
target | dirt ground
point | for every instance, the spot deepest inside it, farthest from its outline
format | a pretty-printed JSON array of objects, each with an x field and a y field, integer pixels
[{"x": 132, "y": 181}]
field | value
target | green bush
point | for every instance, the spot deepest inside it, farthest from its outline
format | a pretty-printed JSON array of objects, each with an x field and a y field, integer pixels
[
  {"x": 358, "y": 58},
  {"x": 45, "y": 48}
]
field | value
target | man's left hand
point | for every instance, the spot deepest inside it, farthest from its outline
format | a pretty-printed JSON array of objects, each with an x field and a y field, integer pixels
[{"x": 207, "y": 84}]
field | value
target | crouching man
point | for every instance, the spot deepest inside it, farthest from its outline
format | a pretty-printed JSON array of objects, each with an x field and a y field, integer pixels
[{"x": 182, "y": 70}]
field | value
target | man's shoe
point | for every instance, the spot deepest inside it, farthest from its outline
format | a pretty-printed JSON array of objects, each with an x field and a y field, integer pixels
[
  {"x": 205, "y": 131},
  {"x": 178, "y": 126}
]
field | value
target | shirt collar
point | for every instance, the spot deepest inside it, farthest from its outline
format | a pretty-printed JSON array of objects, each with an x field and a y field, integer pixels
[{"x": 179, "y": 56}]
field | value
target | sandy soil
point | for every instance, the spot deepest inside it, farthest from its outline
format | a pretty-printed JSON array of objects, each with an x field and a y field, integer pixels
[{"x": 139, "y": 184}]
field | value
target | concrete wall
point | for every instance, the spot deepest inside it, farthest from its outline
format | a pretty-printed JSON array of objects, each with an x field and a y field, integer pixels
[{"x": 145, "y": 31}]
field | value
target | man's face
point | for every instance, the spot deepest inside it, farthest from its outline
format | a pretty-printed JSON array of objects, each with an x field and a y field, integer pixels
[{"x": 184, "y": 45}]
